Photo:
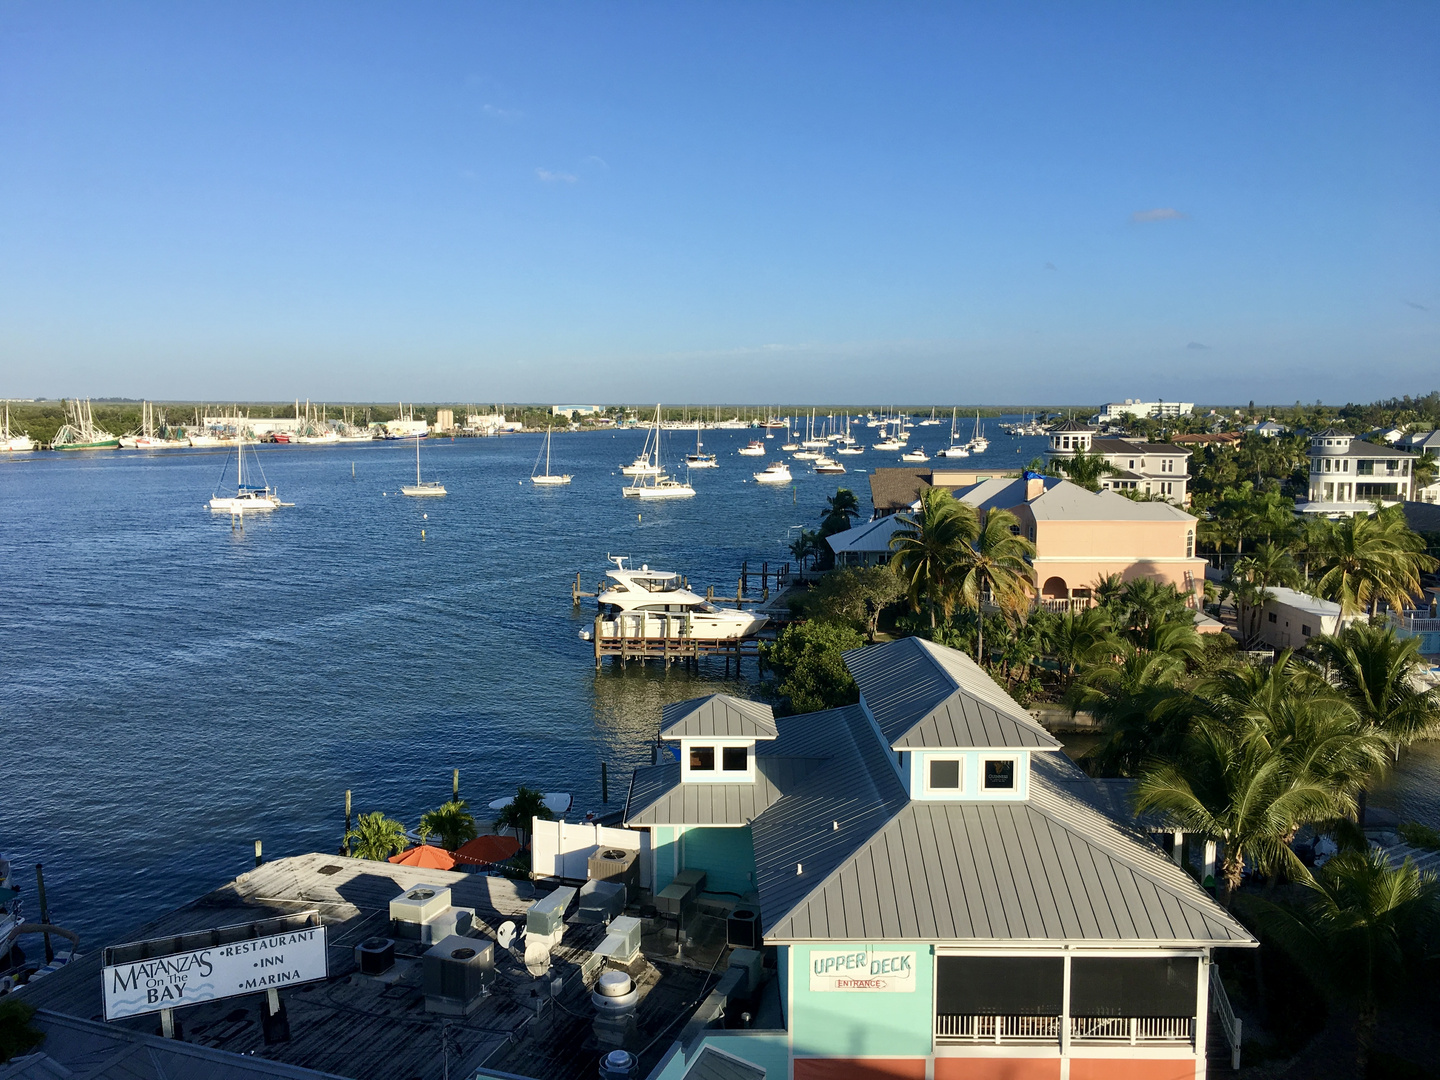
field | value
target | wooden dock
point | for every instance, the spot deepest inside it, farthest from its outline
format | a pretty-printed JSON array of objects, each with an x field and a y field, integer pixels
[{"x": 673, "y": 645}]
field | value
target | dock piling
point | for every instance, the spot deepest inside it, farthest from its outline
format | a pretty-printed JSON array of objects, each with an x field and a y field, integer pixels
[
  {"x": 259, "y": 857},
  {"x": 345, "y": 850},
  {"x": 455, "y": 787},
  {"x": 44, "y": 910},
  {"x": 604, "y": 783}
]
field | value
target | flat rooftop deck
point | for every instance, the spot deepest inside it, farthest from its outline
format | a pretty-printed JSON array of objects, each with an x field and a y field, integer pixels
[{"x": 376, "y": 1026}]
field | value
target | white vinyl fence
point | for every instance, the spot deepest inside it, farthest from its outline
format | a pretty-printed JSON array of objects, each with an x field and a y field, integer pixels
[{"x": 563, "y": 848}]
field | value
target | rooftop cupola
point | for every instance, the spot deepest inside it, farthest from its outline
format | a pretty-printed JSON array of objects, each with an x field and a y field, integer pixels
[
  {"x": 717, "y": 736},
  {"x": 1330, "y": 441},
  {"x": 1071, "y": 435}
]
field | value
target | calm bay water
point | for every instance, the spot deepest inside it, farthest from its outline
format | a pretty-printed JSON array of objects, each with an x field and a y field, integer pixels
[{"x": 171, "y": 691}]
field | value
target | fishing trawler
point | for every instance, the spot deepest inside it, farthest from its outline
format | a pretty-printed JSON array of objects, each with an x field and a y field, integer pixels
[{"x": 79, "y": 431}]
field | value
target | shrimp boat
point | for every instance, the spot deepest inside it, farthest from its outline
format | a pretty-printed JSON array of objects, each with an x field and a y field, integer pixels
[
  {"x": 146, "y": 438},
  {"x": 79, "y": 431},
  {"x": 653, "y": 483},
  {"x": 777, "y": 472},
  {"x": 547, "y": 478},
  {"x": 652, "y": 603},
  {"x": 15, "y": 444},
  {"x": 247, "y": 498},
  {"x": 422, "y": 488},
  {"x": 699, "y": 459}
]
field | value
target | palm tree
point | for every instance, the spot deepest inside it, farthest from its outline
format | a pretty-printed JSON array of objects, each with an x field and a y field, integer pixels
[
  {"x": 928, "y": 546},
  {"x": 1362, "y": 935},
  {"x": 1251, "y": 577},
  {"x": 1423, "y": 471},
  {"x": 520, "y": 812},
  {"x": 1374, "y": 668},
  {"x": 1107, "y": 592},
  {"x": 1144, "y": 602},
  {"x": 804, "y": 547},
  {"x": 1084, "y": 469},
  {"x": 996, "y": 565},
  {"x": 1077, "y": 639},
  {"x": 452, "y": 822},
  {"x": 376, "y": 837},
  {"x": 1135, "y": 698},
  {"x": 840, "y": 509},
  {"x": 1238, "y": 790},
  {"x": 1368, "y": 558}
]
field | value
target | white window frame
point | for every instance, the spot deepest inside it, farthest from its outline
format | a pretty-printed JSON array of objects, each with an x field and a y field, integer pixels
[
  {"x": 940, "y": 793},
  {"x": 1015, "y": 789}
]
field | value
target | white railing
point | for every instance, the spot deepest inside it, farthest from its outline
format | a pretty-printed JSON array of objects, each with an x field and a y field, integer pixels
[
  {"x": 1417, "y": 622},
  {"x": 1060, "y": 604},
  {"x": 1132, "y": 1029},
  {"x": 1230, "y": 1024},
  {"x": 998, "y": 1029}
]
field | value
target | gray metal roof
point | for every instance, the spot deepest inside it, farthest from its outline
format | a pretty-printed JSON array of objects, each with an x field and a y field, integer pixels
[
  {"x": 1050, "y": 869},
  {"x": 924, "y": 695},
  {"x": 717, "y": 716},
  {"x": 85, "y": 1048},
  {"x": 713, "y": 1064}
]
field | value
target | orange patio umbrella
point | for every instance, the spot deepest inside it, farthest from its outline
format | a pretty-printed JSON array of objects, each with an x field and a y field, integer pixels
[
  {"x": 484, "y": 850},
  {"x": 426, "y": 856}
]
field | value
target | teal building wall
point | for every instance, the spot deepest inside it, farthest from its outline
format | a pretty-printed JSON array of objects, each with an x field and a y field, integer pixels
[
  {"x": 726, "y": 855},
  {"x": 839, "y": 1023}
]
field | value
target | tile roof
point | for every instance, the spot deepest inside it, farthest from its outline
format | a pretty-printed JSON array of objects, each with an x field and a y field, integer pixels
[
  {"x": 924, "y": 695},
  {"x": 717, "y": 716},
  {"x": 893, "y": 489}
]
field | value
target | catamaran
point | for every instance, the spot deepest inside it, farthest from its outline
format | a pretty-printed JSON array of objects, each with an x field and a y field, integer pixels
[
  {"x": 247, "y": 498},
  {"x": 655, "y": 484},
  {"x": 547, "y": 478},
  {"x": 422, "y": 488}
]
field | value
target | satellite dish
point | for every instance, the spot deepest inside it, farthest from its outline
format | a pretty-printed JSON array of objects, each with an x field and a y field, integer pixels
[{"x": 505, "y": 937}]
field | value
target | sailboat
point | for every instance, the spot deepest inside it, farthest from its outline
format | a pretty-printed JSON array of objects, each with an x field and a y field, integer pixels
[
  {"x": 247, "y": 498},
  {"x": 655, "y": 485},
  {"x": 978, "y": 443},
  {"x": 932, "y": 422},
  {"x": 547, "y": 478},
  {"x": 699, "y": 460},
  {"x": 14, "y": 443},
  {"x": 955, "y": 449},
  {"x": 422, "y": 488}
]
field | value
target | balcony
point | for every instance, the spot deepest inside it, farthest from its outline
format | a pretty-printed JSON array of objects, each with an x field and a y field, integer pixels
[{"x": 1045, "y": 1030}]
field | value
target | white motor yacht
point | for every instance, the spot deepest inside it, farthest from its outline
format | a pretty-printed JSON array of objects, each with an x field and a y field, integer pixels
[
  {"x": 916, "y": 456},
  {"x": 755, "y": 449},
  {"x": 777, "y": 472},
  {"x": 824, "y": 464},
  {"x": 889, "y": 443},
  {"x": 650, "y": 603}
]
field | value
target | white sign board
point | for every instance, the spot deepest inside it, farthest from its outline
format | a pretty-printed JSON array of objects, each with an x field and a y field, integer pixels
[
  {"x": 217, "y": 971},
  {"x": 887, "y": 971}
]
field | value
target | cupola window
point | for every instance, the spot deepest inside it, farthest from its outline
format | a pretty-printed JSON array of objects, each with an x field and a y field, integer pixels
[
  {"x": 702, "y": 759},
  {"x": 943, "y": 775},
  {"x": 734, "y": 759},
  {"x": 999, "y": 774}
]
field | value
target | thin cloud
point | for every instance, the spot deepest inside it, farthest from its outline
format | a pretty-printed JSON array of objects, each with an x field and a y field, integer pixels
[
  {"x": 1051, "y": 266},
  {"x": 1160, "y": 213},
  {"x": 1197, "y": 345},
  {"x": 549, "y": 176},
  {"x": 1417, "y": 307},
  {"x": 595, "y": 159},
  {"x": 498, "y": 113}
]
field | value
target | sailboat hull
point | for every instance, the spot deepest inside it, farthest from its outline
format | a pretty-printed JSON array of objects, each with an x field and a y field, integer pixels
[
  {"x": 421, "y": 491},
  {"x": 103, "y": 444},
  {"x": 233, "y": 505},
  {"x": 549, "y": 481}
]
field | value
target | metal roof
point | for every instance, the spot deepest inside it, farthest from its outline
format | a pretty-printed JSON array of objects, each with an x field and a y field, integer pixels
[
  {"x": 923, "y": 695},
  {"x": 717, "y": 716},
  {"x": 659, "y": 797},
  {"x": 713, "y": 1064},
  {"x": 1121, "y": 447},
  {"x": 74, "y": 1047},
  {"x": 1050, "y": 869},
  {"x": 1071, "y": 502},
  {"x": 873, "y": 536},
  {"x": 1072, "y": 425}
]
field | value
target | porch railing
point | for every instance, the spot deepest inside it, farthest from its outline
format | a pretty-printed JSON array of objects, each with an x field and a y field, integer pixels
[
  {"x": 1132, "y": 1029},
  {"x": 1230, "y": 1024},
  {"x": 998, "y": 1029}
]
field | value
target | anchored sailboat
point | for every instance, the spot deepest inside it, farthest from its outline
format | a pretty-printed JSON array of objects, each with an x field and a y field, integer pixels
[
  {"x": 422, "y": 488},
  {"x": 655, "y": 485},
  {"x": 547, "y": 479},
  {"x": 247, "y": 498}
]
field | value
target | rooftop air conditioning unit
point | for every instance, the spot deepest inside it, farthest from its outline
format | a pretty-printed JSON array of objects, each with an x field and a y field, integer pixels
[
  {"x": 375, "y": 955},
  {"x": 414, "y": 908},
  {"x": 454, "y": 974},
  {"x": 620, "y": 865},
  {"x": 601, "y": 901},
  {"x": 547, "y": 915},
  {"x": 622, "y": 940},
  {"x": 742, "y": 928}
]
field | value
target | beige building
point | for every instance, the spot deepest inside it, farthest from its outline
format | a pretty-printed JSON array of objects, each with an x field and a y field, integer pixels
[
  {"x": 1348, "y": 475},
  {"x": 1289, "y": 619},
  {"x": 1080, "y": 537},
  {"x": 1147, "y": 468}
]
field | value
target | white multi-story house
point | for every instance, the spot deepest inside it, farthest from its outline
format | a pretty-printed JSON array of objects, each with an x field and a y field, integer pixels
[
  {"x": 1348, "y": 476},
  {"x": 1149, "y": 468},
  {"x": 1118, "y": 410}
]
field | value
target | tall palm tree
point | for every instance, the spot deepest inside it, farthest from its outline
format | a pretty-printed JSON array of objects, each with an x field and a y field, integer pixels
[
  {"x": 1084, "y": 469},
  {"x": 996, "y": 566},
  {"x": 1374, "y": 557},
  {"x": 1240, "y": 791},
  {"x": 1078, "y": 639},
  {"x": 1424, "y": 470},
  {"x": 928, "y": 547},
  {"x": 1251, "y": 577},
  {"x": 376, "y": 837},
  {"x": 804, "y": 547},
  {"x": 840, "y": 510},
  {"x": 1362, "y": 935},
  {"x": 452, "y": 822},
  {"x": 521, "y": 811},
  {"x": 1135, "y": 698},
  {"x": 1375, "y": 668},
  {"x": 1144, "y": 602}
]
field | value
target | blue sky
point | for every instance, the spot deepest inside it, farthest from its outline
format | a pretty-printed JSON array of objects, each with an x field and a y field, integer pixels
[{"x": 720, "y": 202}]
